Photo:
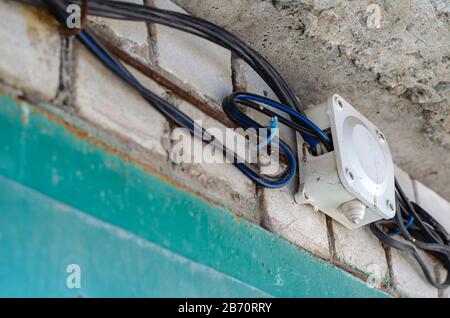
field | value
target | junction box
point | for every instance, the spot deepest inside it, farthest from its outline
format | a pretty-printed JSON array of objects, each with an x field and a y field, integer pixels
[{"x": 354, "y": 184}]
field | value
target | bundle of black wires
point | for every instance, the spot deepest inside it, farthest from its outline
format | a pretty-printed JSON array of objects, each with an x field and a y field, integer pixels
[
  {"x": 416, "y": 226},
  {"x": 418, "y": 229}
]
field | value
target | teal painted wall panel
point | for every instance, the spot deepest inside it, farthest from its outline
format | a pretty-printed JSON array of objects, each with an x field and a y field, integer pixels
[
  {"x": 40, "y": 237},
  {"x": 49, "y": 158}
]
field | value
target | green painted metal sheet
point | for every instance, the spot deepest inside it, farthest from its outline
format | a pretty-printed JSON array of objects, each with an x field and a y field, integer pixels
[
  {"x": 41, "y": 237},
  {"x": 42, "y": 154}
]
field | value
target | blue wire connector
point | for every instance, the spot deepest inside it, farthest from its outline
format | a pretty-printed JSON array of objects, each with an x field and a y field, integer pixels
[
  {"x": 273, "y": 127},
  {"x": 407, "y": 225}
]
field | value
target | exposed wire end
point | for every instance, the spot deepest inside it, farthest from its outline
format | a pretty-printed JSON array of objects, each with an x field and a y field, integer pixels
[{"x": 273, "y": 128}]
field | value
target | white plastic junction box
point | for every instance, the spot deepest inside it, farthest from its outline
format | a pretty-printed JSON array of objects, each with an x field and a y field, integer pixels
[{"x": 354, "y": 184}]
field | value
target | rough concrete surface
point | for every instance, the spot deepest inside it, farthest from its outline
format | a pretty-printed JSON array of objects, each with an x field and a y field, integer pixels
[{"x": 395, "y": 67}]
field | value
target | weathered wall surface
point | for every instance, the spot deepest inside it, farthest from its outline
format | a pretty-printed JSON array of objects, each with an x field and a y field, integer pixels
[
  {"x": 86, "y": 95},
  {"x": 398, "y": 74}
]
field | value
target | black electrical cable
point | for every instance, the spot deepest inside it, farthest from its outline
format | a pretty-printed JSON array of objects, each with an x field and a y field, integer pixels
[
  {"x": 193, "y": 25},
  {"x": 261, "y": 103},
  {"x": 199, "y": 27},
  {"x": 414, "y": 224},
  {"x": 88, "y": 38},
  {"x": 289, "y": 123},
  {"x": 426, "y": 234}
]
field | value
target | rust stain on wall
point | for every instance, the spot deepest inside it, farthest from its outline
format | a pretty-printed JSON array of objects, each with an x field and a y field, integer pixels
[
  {"x": 40, "y": 24},
  {"x": 97, "y": 143}
]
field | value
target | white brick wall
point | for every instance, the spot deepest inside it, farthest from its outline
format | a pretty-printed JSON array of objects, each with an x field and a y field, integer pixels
[
  {"x": 31, "y": 62},
  {"x": 246, "y": 79},
  {"x": 102, "y": 98},
  {"x": 361, "y": 251},
  {"x": 197, "y": 63},
  {"x": 299, "y": 224},
  {"x": 407, "y": 277},
  {"x": 130, "y": 36},
  {"x": 222, "y": 181},
  {"x": 433, "y": 204},
  {"x": 30, "y": 49}
]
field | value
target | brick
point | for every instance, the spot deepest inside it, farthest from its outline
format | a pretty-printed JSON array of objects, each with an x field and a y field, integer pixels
[
  {"x": 246, "y": 79},
  {"x": 104, "y": 100},
  {"x": 131, "y": 36},
  {"x": 362, "y": 252},
  {"x": 195, "y": 62},
  {"x": 433, "y": 203},
  {"x": 408, "y": 279},
  {"x": 299, "y": 224},
  {"x": 222, "y": 182},
  {"x": 30, "y": 50},
  {"x": 405, "y": 182}
]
